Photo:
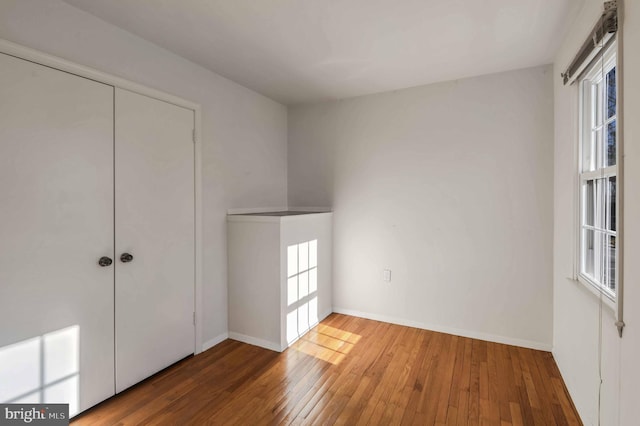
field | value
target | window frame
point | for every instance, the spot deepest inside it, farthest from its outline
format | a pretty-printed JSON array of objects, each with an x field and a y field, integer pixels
[{"x": 596, "y": 73}]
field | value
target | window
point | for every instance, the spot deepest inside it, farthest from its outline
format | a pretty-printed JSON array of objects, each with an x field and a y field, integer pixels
[{"x": 598, "y": 171}]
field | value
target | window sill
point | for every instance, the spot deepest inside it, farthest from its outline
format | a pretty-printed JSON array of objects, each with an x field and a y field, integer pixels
[{"x": 599, "y": 294}]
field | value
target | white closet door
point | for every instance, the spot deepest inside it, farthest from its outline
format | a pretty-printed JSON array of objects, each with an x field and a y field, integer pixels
[
  {"x": 154, "y": 170},
  {"x": 56, "y": 221}
]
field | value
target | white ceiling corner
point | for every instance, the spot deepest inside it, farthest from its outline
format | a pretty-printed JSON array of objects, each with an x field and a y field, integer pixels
[{"x": 297, "y": 51}]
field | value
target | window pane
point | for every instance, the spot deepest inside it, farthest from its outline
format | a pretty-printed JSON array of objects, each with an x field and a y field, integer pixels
[
  {"x": 611, "y": 93},
  {"x": 611, "y": 204},
  {"x": 610, "y": 263},
  {"x": 611, "y": 143},
  {"x": 588, "y": 194},
  {"x": 588, "y": 252}
]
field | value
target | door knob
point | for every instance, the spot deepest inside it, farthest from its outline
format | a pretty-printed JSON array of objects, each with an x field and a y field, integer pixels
[
  {"x": 126, "y": 258},
  {"x": 105, "y": 261}
]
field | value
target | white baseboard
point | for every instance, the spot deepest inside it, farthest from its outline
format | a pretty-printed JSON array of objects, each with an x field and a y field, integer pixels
[
  {"x": 324, "y": 315},
  {"x": 320, "y": 318},
  {"x": 255, "y": 341},
  {"x": 272, "y": 345},
  {"x": 211, "y": 343},
  {"x": 449, "y": 330}
]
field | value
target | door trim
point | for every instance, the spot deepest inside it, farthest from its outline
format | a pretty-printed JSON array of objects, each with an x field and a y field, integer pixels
[{"x": 41, "y": 58}]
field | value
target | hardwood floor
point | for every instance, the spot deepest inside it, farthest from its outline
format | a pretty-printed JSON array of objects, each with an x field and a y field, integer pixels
[{"x": 351, "y": 371}]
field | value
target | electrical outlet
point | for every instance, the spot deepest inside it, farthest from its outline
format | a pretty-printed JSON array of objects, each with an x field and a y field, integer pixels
[{"x": 387, "y": 275}]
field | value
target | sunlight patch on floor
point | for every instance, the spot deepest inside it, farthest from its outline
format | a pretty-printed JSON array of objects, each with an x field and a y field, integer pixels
[{"x": 327, "y": 343}]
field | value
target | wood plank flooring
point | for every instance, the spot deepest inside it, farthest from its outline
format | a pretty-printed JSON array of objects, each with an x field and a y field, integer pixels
[{"x": 351, "y": 371}]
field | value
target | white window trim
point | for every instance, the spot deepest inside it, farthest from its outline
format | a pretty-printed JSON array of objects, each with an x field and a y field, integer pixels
[{"x": 594, "y": 71}]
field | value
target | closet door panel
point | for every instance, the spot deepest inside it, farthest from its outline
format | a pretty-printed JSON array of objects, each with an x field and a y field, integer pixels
[
  {"x": 155, "y": 225},
  {"x": 56, "y": 222}
]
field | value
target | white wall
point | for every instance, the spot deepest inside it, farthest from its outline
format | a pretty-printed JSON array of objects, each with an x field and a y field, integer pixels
[
  {"x": 253, "y": 245},
  {"x": 577, "y": 313},
  {"x": 449, "y": 186},
  {"x": 243, "y": 134}
]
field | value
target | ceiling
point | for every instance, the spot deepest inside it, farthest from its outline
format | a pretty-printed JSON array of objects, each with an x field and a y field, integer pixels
[{"x": 297, "y": 51}]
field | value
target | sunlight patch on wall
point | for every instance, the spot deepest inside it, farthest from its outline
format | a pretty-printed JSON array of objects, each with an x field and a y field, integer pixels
[
  {"x": 43, "y": 369},
  {"x": 302, "y": 289}
]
